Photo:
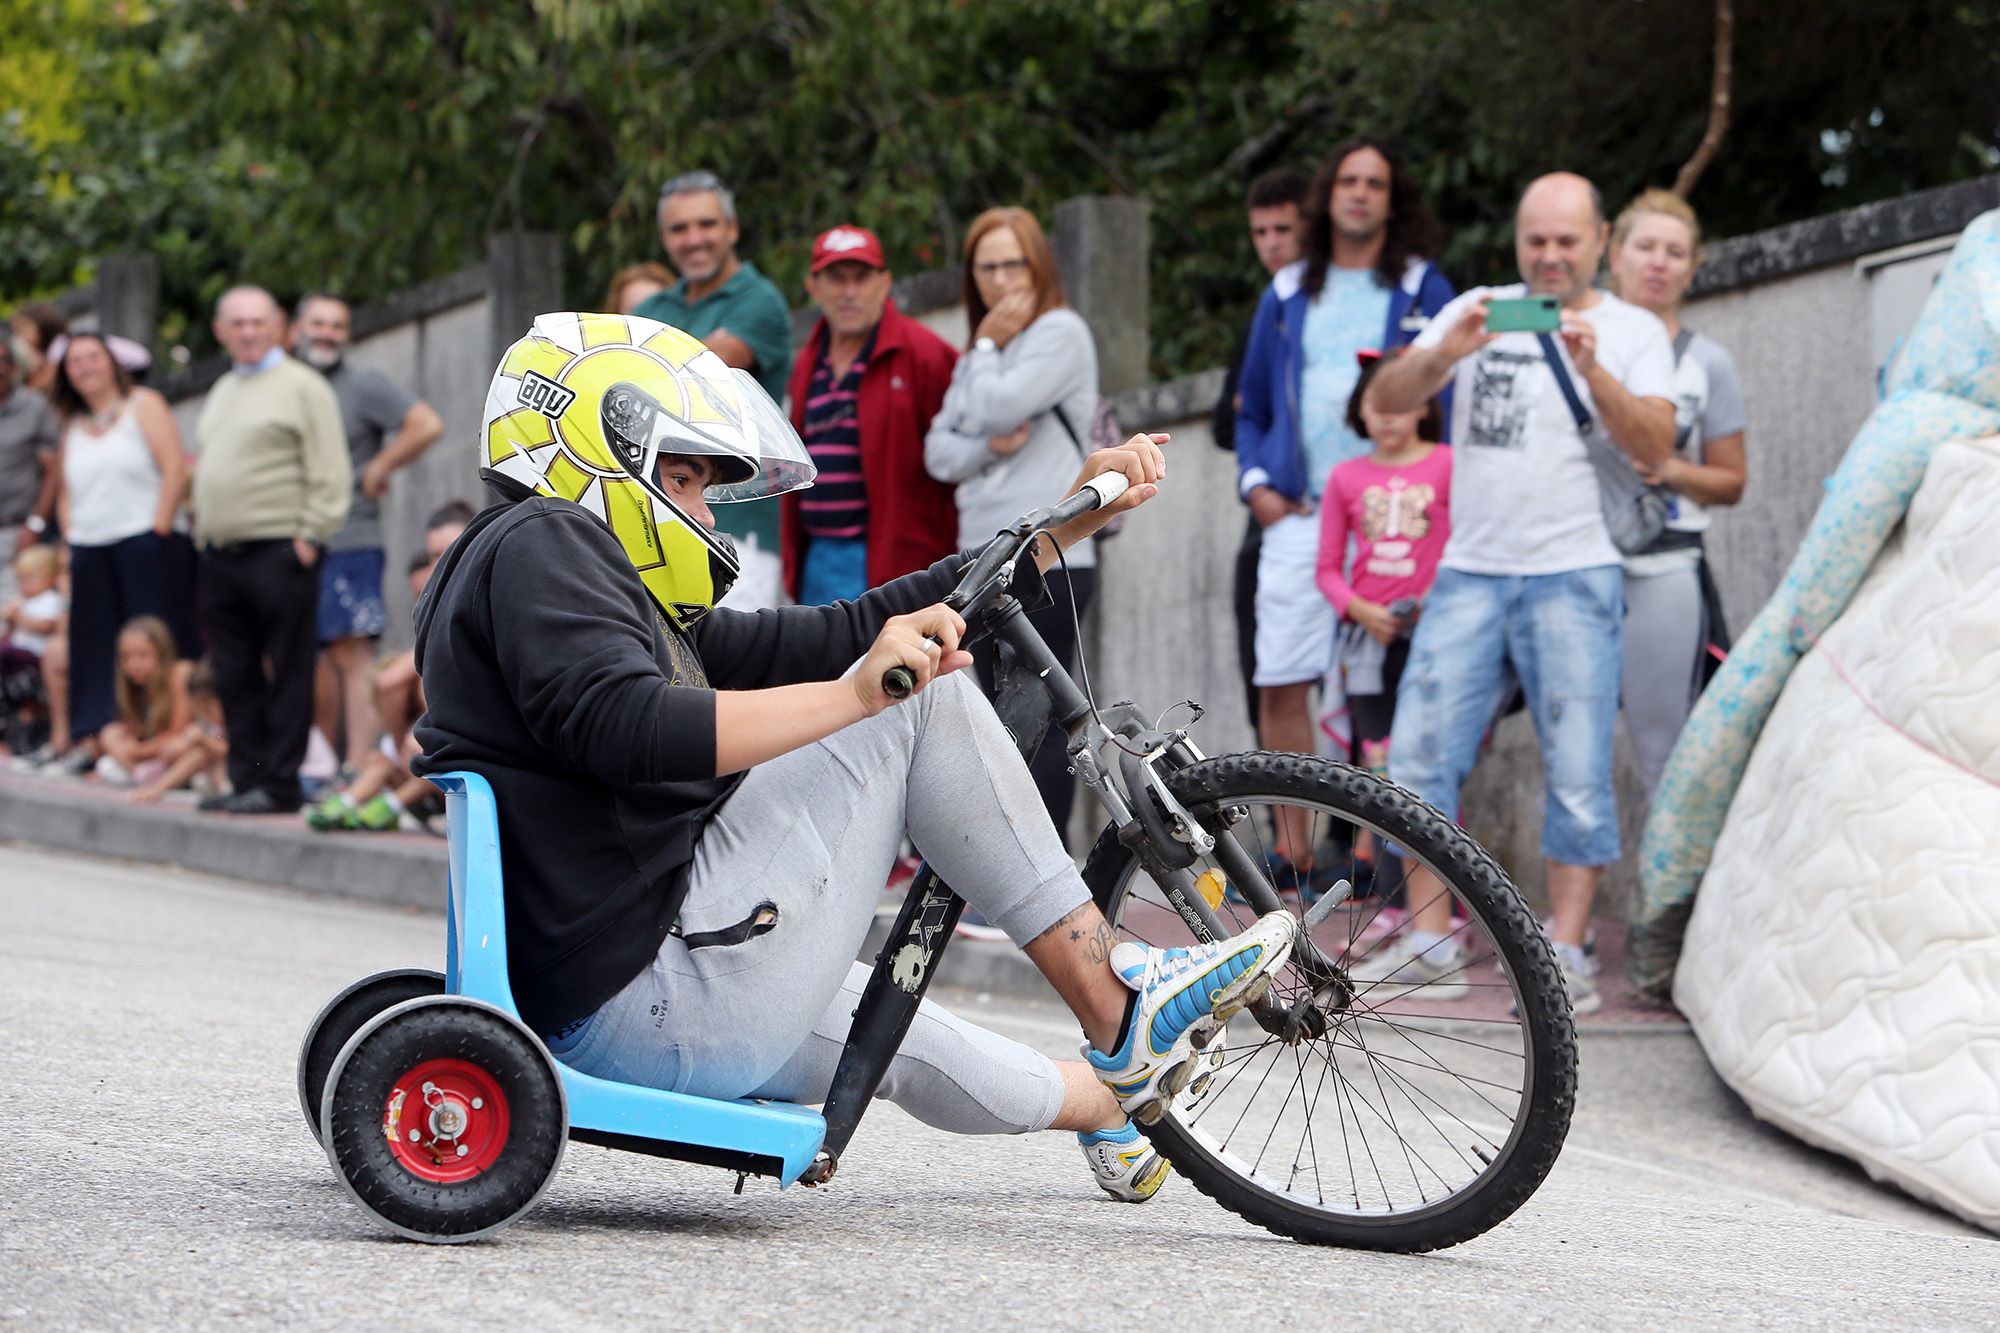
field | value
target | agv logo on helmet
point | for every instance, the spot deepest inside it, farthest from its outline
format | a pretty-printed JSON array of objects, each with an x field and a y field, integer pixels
[{"x": 545, "y": 395}]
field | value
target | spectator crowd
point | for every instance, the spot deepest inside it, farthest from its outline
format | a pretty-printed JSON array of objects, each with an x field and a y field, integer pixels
[{"x": 1429, "y": 479}]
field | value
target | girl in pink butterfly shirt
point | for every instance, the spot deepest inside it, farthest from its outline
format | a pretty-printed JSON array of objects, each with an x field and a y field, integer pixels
[{"x": 1394, "y": 504}]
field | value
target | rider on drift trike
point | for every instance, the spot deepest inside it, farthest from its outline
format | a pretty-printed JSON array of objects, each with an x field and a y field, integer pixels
[{"x": 699, "y": 807}]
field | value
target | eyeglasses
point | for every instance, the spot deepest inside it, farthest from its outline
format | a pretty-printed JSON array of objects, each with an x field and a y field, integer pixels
[{"x": 1001, "y": 266}]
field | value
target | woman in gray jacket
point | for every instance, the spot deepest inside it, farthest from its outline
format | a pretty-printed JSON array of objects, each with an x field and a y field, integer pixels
[{"x": 1014, "y": 424}]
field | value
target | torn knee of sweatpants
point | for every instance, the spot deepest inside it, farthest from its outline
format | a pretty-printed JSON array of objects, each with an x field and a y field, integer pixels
[{"x": 762, "y": 919}]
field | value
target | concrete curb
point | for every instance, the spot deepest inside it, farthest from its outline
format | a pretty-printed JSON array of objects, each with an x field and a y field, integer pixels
[
  {"x": 398, "y": 870},
  {"x": 390, "y": 869}
]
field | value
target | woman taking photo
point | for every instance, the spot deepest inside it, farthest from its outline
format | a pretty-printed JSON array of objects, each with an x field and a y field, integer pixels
[
  {"x": 123, "y": 479},
  {"x": 1672, "y": 613},
  {"x": 1016, "y": 423}
]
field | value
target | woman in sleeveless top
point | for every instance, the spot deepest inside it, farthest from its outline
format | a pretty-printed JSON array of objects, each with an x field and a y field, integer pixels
[
  {"x": 1671, "y": 612},
  {"x": 123, "y": 479}
]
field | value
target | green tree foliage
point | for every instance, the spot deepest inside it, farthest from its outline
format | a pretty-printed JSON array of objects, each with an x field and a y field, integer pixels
[{"x": 366, "y": 145}]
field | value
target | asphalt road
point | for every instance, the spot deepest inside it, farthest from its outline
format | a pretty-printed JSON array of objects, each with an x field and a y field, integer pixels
[{"x": 157, "y": 1173}]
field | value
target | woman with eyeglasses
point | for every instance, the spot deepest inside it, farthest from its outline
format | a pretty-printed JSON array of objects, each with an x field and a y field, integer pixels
[{"x": 1015, "y": 422}]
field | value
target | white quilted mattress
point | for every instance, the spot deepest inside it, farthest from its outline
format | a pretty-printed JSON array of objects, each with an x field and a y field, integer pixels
[{"x": 1842, "y": 966}]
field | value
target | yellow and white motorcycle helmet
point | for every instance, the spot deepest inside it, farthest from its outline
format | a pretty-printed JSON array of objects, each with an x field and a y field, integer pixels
[{"x": 582, "y": 408}]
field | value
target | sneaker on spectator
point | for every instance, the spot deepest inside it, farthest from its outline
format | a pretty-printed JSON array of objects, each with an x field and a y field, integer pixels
[
  {"x": 1579, "y": 979},
  {"x": 33, "y": 760},
  {"x": 112, "y": 773},
  {"x": 73, "y": 763},
  {"x": 1548, "y": 924},
  {"x": 973, "y": 926},
  {"x": 1380, "y": 925},
  {"x": 1432, "y": 969},
  {"x": 375, "y": 815},
  {"x": 330, "y": 814}
]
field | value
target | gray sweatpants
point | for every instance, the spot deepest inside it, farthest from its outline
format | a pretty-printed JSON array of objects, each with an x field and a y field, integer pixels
[
  {"x": 805, "y": 844},
  {"x": 1663, "y": 644}
]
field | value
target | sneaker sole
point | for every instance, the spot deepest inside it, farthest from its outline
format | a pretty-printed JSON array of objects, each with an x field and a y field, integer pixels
[{"x": 1175, "y": 1081}]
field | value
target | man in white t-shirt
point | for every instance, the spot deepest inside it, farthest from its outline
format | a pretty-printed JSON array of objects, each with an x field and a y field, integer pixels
[{"x": 1530, "y": 582}]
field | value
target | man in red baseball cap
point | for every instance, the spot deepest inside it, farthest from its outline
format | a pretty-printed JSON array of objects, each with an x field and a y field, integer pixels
[{"x": 864, "y": 389}]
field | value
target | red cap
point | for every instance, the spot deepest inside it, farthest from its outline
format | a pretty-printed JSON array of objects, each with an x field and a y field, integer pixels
[{"x": 843, "y": 243}]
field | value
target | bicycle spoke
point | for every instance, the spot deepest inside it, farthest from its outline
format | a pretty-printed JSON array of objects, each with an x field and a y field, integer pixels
[
  {"x": 1427, "y": 1095},
  {"x": 1440, "y": 1067}
]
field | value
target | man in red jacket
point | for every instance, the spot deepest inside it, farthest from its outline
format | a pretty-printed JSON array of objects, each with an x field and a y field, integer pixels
[{"x": 864, "y": 389}]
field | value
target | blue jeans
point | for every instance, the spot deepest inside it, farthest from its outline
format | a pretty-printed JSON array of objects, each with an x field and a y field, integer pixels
[
  {"x": 1560, "y": 635},
  {"x": 835, "y": 569}
]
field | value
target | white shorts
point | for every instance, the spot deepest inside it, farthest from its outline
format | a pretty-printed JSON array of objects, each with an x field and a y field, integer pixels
[{"x": 1295, "y": 622}]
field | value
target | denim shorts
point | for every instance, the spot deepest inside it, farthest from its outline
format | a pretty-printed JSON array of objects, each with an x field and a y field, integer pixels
[
  {"x": 350, "y": 595},
  {"x": 1559, "y": 635}
]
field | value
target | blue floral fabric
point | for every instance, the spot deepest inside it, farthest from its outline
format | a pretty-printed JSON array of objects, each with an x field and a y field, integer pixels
[{"x": 1945, "y": 386}]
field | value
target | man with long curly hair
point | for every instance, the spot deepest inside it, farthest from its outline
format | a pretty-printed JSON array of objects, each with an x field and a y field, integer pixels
[{"x": 1366, "y": 280}]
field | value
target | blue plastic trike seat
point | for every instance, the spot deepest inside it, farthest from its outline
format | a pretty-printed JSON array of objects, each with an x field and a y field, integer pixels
[{"x": 769, "y": 1138}]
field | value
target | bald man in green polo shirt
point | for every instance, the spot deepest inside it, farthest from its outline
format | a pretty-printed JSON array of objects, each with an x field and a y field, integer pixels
[{"x": 739, "y": 313}]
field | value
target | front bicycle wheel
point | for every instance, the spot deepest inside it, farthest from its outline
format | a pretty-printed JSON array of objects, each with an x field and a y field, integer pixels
[{"x": 1412, "y": 1085}]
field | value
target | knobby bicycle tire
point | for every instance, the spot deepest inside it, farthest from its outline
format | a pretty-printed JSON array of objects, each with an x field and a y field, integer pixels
[{"x": 1522, "y": 955}]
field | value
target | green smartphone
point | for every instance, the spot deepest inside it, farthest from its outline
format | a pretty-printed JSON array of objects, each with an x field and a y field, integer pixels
[{"x": 1524, "y": 314}]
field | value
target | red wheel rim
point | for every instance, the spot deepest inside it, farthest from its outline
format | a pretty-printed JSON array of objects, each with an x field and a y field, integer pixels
[{"x": 446, "y": 1121}]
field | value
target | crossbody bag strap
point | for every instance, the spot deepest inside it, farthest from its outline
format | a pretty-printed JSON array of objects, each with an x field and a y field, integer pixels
[
  {"x": 1570, "y": 396},
  {"x": 1070, "y": 431},
  {"x": 1681, "y": 341}
]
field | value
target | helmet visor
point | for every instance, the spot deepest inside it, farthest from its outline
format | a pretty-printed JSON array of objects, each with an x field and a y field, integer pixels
[{"x": 724, "y": 419}]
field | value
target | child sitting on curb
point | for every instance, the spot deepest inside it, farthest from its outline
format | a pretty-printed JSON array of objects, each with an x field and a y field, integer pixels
[
  {"x": 198, "y": 756},
  {"x": 153, "y": 708}
]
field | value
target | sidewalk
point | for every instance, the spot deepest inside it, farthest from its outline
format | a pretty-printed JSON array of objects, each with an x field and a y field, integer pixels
[{"x": 408, "y": 870}]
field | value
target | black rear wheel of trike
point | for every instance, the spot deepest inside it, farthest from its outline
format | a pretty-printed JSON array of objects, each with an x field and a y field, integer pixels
[
  {"x": 1423, "y": 1089},
  {"x": 343, "y": 1016}
]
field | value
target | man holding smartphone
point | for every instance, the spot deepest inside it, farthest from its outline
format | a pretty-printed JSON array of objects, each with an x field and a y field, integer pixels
[{"x": 1530, "y": 582}]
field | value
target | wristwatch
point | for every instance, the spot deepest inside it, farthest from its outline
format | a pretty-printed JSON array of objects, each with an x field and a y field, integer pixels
[
  {"x": 985, "y": 345},
  {"x": 36, "y": 524}
]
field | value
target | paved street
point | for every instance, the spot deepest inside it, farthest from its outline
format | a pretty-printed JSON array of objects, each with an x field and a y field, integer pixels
[{"x": 158, "y": 1173}]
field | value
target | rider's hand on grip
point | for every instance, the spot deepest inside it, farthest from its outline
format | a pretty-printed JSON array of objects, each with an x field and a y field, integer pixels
[{"x": 908, "y": 654}]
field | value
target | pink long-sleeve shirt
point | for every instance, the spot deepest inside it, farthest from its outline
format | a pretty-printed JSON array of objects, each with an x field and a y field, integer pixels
[{"x": 1400, "y": 518}]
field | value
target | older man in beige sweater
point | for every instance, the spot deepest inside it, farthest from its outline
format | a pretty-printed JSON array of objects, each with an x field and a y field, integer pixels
[{"x": 270, "y": 486}]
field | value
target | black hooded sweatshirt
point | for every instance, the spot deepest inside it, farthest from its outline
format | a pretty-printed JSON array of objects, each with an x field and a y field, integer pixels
[{"x": 547, "y": 671}]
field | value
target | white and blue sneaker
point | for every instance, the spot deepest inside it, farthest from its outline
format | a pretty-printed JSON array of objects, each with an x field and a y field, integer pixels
[
  {"x": 1125, "y": 1164},
  {"x": 1184, "y": 997}
]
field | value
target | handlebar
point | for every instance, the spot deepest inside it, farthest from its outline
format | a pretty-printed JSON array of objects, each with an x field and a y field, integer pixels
[{"x": 979, "y": 581}]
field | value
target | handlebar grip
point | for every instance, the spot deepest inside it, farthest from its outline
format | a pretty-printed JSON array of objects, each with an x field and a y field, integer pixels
[
  {"x": 899, "y": 682},
  {"x": 1109, "y": 486}
]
